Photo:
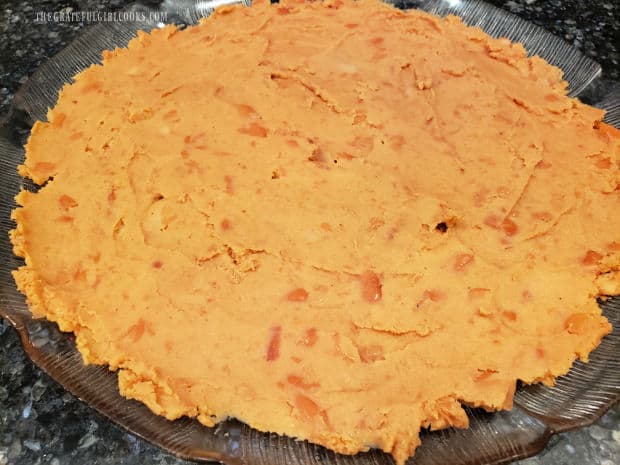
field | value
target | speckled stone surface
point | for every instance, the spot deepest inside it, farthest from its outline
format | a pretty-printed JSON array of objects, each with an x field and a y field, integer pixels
[{"x": 40, "y": 423}]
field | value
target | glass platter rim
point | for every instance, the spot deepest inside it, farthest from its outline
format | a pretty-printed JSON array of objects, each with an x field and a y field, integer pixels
[{"x": 16, "y": 115}]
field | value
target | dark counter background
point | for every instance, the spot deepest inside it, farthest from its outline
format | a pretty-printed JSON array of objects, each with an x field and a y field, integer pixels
[{"x": 40, "y": 423}]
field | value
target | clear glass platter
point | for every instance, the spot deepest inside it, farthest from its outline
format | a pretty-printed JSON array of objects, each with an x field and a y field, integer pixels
[{"x": 578, "y": 398}]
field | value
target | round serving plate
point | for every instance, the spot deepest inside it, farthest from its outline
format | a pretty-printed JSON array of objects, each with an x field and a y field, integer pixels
[{"x": 578, "y": 399}]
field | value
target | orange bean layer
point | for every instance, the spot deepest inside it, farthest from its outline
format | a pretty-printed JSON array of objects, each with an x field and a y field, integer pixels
[{"x": 336, "y": 221}]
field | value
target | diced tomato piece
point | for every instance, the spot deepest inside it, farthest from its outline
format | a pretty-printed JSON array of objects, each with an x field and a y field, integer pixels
[
  {"x": 297, "y": 295},
  {"x": 509, "y": 227},
  {"x": 372, "y": 353},
  {"x": 591, "y": 258},
  {"x": 462, "y": 261},
  {"x": 433, "y": 295},
  {"x": 477, "y": 292},
  {"x": 371, "y": 286},
  {"x": 254, "y": 130},
  {"x": 273, "y": 347},
  {"x": 307, "y": 408},
  {"x": 310, "y": 337},
  {"x": 66, "y": 202},
  {"x": 299, "y": 382}
]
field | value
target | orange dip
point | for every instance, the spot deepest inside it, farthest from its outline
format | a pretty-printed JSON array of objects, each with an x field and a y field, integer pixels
[{"x": 336, "y": 221}]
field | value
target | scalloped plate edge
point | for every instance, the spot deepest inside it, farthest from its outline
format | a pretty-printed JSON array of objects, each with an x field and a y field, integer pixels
[{"x": 20, "y": 102}]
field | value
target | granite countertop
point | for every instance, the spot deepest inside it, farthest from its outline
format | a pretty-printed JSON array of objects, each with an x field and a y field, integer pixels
[{"x": 40, "y": 423}]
